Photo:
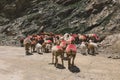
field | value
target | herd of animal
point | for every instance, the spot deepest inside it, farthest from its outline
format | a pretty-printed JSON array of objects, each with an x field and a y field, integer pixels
[{"x": 63, "y": 46}]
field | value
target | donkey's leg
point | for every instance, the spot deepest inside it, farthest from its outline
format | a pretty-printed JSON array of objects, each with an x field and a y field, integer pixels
[
  {"x": 56, "y": 61},
  {"x": 73, "y": 60},
  {"x": 52, "y": 57}
]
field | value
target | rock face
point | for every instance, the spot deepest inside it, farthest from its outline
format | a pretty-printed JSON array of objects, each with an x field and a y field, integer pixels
[
  {"x": 111, "y": 46},
  {"x": 22, "y": 17},
  {"x": 13, "y": 8},
  {"x": 66, "y": 2},
  {"x": 59, "y": 16}
]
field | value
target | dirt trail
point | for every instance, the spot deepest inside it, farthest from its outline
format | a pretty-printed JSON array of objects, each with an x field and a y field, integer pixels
[{"x": 14, "y": 65}]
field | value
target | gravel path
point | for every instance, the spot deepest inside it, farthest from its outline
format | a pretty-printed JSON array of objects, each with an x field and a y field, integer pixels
[{"x": 14, "y": 65}]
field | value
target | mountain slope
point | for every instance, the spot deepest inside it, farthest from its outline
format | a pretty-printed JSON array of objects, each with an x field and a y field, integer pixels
[{"x": 59, "y": 16}]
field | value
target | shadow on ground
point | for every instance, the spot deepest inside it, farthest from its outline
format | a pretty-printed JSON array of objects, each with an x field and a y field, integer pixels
[
  {"x": 74, "y": 69},
  {"x": 59, "y": 66}
]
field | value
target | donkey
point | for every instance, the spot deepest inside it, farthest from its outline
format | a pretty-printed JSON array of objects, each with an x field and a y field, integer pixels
[
  {"x": 71, "y": 51},
  {"x": 57, "y": 51}
]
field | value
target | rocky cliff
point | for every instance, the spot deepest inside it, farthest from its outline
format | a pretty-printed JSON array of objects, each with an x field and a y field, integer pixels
[{"x": 59, "y": 16}]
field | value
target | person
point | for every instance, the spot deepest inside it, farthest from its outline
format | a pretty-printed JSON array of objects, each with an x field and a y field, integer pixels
[{"x": 41, "y": 41}]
